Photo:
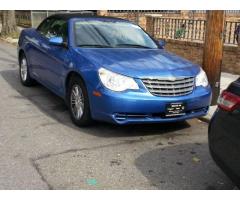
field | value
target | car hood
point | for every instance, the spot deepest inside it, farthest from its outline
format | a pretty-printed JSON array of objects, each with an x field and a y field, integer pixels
[{"x": 139, "y": 63}]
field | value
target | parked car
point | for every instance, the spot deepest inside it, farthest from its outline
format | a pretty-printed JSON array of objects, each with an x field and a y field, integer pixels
[
  {"x": 224, "y": 132},
  {"x": 110, "y": 69}
]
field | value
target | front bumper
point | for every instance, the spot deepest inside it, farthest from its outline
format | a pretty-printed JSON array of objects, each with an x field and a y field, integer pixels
[{"x": 133, "y": 107}]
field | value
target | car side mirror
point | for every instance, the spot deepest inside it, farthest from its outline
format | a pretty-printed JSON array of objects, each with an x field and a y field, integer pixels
[
  {"x": 58, "y": 41},
  {"x": 162, "y": 43}
]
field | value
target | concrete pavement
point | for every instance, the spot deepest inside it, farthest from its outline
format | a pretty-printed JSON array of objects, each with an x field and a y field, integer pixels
[{"x": 40, "y": 148}]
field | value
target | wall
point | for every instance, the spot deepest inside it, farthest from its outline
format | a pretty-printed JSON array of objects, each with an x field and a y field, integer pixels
[
  {"x": 132, "y": 16},
  {"x": 194, "y": 51}
]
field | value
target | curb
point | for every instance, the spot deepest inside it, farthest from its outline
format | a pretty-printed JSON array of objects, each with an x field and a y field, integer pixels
[
  {"x": 207, "y": 118},
  {"x": 204, "y": 119},
  {"x": 7, "y": 41}
]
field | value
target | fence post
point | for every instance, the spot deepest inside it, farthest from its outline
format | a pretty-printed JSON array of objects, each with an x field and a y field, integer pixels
[
  {"x": 213, "y": 50},
  {"x": 150, "y": 25},
  {"x": 31, "y": 15}
]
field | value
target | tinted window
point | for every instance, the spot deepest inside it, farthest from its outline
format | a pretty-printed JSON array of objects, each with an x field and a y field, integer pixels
[
  {"x": 44, "y": 26},
  {"x": 58, "y": 29},
  {"x": 53, "y": 28}
]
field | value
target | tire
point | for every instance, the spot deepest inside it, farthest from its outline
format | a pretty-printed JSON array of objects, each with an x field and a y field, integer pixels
[
  {"x": 24, "y": 74},
  {"x": 78, "y": 102}
]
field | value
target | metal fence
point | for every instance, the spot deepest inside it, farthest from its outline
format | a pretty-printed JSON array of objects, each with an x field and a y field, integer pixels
[
  {"x": 23, "y": 18},
  {"x": 37, "y": 17},
  {"x": 31, "y": 18},
  {"x": 34, "y": 18},
  {"x": 189, "y": 29}
]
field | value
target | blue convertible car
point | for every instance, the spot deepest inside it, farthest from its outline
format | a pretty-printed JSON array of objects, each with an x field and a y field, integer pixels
[{"x": 110, "y": 69}]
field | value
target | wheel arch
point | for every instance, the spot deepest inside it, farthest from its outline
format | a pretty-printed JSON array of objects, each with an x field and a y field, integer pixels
[
  {"x": 87, "y": 119},
  {"x": 68, "y": 78},
  {"x": 20, "y": 54}
]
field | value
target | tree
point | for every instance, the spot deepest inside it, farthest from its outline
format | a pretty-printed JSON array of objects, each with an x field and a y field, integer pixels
[{"x": 9, "y": 26}]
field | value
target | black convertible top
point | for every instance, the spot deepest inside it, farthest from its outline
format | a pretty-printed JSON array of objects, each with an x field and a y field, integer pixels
[
  {"x": 88, "y": 14},
  {"x": 85, "y": 14}
]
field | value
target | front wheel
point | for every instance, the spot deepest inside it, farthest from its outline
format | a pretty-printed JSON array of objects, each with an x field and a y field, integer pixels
[
  {"x": 25, "y": 78},
  {"x": 78, "y": 102}
]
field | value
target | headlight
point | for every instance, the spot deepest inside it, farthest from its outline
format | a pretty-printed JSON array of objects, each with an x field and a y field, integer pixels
[
  {"x": 116, "y": 82},
  {"x": 201, "y": 79}
]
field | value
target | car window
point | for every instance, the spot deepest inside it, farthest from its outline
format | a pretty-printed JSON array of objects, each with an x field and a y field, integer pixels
[
  {"x": 111, "y": 33},
  {"x": 44, "y": 26},
  {"x": 58, "y": 29}
]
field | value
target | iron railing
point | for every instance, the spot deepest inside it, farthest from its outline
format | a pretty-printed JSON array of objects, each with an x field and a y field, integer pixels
[{"x": 189, "y": 29}]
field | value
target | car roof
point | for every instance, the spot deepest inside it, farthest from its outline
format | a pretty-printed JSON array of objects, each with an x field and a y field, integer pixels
[{"x": 67, "y": 16}]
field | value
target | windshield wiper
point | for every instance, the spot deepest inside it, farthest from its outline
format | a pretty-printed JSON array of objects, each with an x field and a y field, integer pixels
[
  {"x": 95, "y": 45},
  {"x": 133, "y": 45}
]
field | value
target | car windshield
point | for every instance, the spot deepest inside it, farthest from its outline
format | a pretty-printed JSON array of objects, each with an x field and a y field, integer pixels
[{"x": 111, "y": 34}]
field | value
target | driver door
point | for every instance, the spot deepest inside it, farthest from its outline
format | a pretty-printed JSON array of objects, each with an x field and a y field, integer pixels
[{"x": 56, "y": 57}]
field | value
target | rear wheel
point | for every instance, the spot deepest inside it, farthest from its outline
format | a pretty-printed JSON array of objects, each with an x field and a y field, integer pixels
[
  {"x": 78, "y": 102},
  {"x": 25, "y": 78}
]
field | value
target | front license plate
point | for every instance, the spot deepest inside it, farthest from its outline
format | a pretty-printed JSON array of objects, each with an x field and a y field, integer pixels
[{"x": 175, "y": 109}]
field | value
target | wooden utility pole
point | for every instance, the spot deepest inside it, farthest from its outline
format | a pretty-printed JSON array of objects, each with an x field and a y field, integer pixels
[{"x": 213, "y": 50}]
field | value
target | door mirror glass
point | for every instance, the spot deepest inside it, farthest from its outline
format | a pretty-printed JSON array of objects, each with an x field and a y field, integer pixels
[
  {"x": 56, "y": 41},
  {"x": 162, "y": 43}
]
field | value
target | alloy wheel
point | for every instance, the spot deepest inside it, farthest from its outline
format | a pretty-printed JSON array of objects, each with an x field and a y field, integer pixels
[
  {"x": 23, "y": 69},
  {"x": 77, "y": 101}
]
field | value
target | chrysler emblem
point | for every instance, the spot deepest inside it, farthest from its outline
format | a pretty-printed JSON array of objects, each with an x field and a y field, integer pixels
[{"x": 172, "y": 78}]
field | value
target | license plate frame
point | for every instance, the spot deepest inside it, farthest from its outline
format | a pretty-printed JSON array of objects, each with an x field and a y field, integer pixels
[{"x": 175, "y": 109}]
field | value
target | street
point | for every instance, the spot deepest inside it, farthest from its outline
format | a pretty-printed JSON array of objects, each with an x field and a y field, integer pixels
[{"x": 40, "y": 148}]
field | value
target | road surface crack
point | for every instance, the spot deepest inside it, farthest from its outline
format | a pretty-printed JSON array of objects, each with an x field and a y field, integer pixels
[{"x": 35, "y": 165}]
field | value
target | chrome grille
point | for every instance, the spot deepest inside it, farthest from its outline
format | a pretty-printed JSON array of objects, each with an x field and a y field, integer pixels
[{"x": 168, "y": 87}]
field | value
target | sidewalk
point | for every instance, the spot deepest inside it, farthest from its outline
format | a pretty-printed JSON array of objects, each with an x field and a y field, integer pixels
[{"x": 226, "y": 79}]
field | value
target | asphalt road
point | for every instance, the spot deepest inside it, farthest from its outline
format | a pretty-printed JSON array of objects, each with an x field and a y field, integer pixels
[{"x": 41, "y": 149}]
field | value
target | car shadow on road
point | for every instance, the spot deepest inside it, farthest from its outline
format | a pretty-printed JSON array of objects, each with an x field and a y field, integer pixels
[
  {"x": 55, "y": 107},
  {"x": 187, "y": 166}
]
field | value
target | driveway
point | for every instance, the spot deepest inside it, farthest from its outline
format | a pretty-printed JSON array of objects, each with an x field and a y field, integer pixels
[{"x": 40, "y": 148}]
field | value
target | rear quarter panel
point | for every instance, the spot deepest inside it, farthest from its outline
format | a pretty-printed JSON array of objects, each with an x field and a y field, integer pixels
[{"x": 26, "y": 40}]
